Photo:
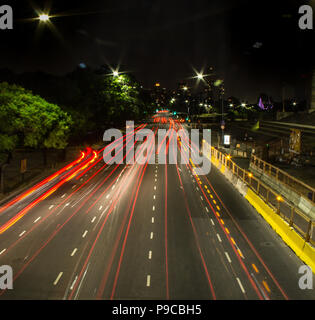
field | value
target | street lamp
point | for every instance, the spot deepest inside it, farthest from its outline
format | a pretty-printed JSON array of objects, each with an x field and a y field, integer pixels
[
  {"x": 115, "y": 73},
  {"x": 44, "y": 17}
]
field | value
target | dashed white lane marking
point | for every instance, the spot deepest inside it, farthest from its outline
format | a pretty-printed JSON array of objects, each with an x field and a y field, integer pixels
[
  {"x": 51, "y": 207},
  {"x": 58, "y": 278},
  {"x": 152, "y": 219},
  {"x": 73, "y": 252},
  {"x": 153, "y": 208},
  {"x": 63, "y": 195},
  {"x": 100, "y": 208},
  {"x": 148, "y": 280},
  {"x": 66, "y": 205},
  {"x": 197, "y": 188},
  {"x": 154, "y": 187},
  {"x": 113, "y": 187},
  {"x": 201, "y": 197},
  {"x": 150, "y": 254},
  {"x": 107, "y": 196},
  {"x": 212, "y": 222},
  {"x": 73, "y": 283},
  {"x": 154, "y": 197},
  {"x": 73, "y": 186},
  {"x": 2, "y": 251},
  {"x": 240, "y": 284},
  {"x": 37, "y": 219},
  {"x": 228, "y": 257},
  {"x": 21, "y": 234},
  {"x": 78, "y": 290},
  {"x": 219, "y": 237},
  {"x": 151, "y": 235},
  {"x": 207, "y": 209},
  {"x": 93, "y": 219},
  {"x": 155, "y": 180},
  {"x": 84, "y": 234}
]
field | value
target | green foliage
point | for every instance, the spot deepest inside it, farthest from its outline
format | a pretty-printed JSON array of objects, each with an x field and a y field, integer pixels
[{"x": 30, "y": 121}]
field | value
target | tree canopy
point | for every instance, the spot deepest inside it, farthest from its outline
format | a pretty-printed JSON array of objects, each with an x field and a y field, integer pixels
[{"x": 29, "y": 120}]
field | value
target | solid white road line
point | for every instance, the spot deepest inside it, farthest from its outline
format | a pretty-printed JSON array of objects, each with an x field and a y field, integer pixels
[{"x": 58, "y": 278}]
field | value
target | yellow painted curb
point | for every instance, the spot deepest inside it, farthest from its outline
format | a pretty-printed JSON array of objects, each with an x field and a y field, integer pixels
[{"x": 301, "y": 248}]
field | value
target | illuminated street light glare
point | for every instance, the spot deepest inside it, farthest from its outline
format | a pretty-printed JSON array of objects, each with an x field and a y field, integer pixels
[
  {"x": 115, "y": 73},
  {"x": 44, "y": 17},
  {"x": 200, "y": 76}
]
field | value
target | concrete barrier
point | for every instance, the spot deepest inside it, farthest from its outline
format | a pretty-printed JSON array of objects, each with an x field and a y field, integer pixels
[{"x": 301, "y": 248}]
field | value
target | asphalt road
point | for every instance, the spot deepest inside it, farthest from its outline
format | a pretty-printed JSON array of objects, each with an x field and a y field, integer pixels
[{"x": 150, "y": 231}]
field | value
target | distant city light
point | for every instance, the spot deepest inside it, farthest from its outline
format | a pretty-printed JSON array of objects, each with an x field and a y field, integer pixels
[
  {"x": 243, "y": 104},
  {"x": 200, "y": 76},
  {"x": 185, "y": 88},
  {"x": 157, "y": 84}
]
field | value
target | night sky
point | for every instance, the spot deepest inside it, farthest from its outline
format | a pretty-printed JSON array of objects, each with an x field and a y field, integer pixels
[{"x": 256, "y": 46}]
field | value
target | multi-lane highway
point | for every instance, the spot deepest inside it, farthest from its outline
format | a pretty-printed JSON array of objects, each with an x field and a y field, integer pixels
[{"x": 151, "y": 231}]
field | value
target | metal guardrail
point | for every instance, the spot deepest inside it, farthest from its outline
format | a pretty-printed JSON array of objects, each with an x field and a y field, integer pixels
[
  {"x": 291, "y": 214},
  {"x": 298, "y": 186}
]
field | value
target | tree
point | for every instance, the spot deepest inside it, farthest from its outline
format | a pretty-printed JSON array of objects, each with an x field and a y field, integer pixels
[{"x": 31, "y": 121}]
